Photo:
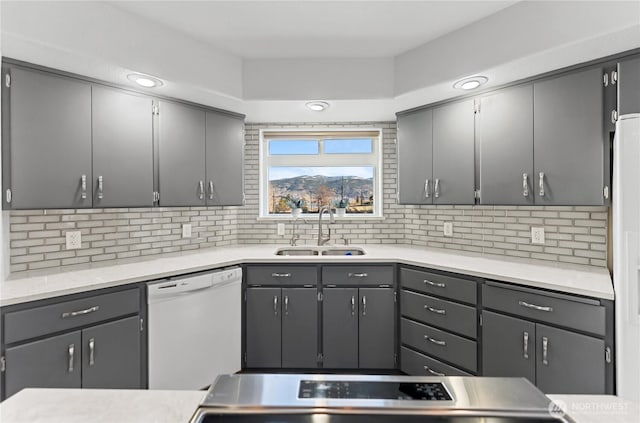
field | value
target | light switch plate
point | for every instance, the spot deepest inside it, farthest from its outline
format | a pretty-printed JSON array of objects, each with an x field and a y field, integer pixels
[
  {"x": 74, "y": 240},
  {"x": 186, "y": 230},
  {"x": 537, "y": 235},
  {"x": 448, "y": 228},
  {"x": 280, "y": 229}
]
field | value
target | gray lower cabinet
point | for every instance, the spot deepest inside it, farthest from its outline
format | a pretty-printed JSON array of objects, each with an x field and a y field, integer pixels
[
  {"x": 415, "y": 152},
  {"x": 224, "y": 145},
  {"x": 46, "y": 141},
  {"x": 376, "y": 330},
  {"x": 263, "y": 327},
  {"x": 505, "y": 146},
  {"x": 340, "y": 328},
  {"x": 299, "y": 327},
  {"x": 122, "y": 144}
]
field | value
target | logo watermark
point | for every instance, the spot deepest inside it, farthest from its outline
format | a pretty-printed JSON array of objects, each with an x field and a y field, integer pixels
[{"x": 560, "y": 408}]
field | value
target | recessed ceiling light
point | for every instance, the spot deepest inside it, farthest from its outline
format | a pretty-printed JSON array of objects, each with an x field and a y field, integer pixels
[
  {"x": 471, "y": 83},
  {"x": 145, "y": 80},
  {"x": 317, "y": 106}
]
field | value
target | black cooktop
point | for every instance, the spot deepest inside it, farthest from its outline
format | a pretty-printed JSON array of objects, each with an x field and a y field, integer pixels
[{"x": 432, "y": 391}]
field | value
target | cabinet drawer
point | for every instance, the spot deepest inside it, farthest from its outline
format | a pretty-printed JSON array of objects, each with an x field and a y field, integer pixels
[
  {"x": 416, "y": 364},
  {"x": 443, "y": 314},
  {"x": 25, "y": 324},
  {"x": 564, "y": 312},
  {"x": 357, "y": 275},
  {"x": 282, "y": 275},
  {"x": 458, "y": 289},
  {"x": 454, "y": 349}
]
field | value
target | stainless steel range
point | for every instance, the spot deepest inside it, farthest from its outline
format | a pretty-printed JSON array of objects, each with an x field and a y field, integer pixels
[{"x": 259, "y": 398}]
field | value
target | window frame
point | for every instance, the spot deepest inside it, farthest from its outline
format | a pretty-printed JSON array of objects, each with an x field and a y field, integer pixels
[{"x": 373, "y": 159}]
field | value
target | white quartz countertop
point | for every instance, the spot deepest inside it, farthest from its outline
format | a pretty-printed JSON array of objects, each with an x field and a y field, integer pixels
[
  {"x": 572, "y": 279},
  {"x": 35, "y": 405}
]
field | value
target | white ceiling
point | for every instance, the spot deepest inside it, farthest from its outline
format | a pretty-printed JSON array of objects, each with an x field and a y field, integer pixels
[{"x": 314, "y": 29}]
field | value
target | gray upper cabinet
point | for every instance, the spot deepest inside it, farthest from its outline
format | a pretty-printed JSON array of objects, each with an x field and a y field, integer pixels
[
  {"x": 49, "y": 141},
  {"x": 453, "y": 154},
  {"x": 122, "y": 149},
  {"x": 505, "y": 145},
  {"x": 568, "y": 139},
  {"x": 225, "y": 144},
  {"x": 628, "y": 87},
  {"x": 415, "y": 150},
  {"x": 181, "y": 145}
]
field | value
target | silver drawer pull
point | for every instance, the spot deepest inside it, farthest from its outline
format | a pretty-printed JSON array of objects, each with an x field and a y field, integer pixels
[
  {"x": 436, "y": 284},
  {"x": 535, "y": 307},
  {"x": 358, "y": 275},
  {"x": 281, "y": 275},
  {"x": 545, "y": 350},
  {"x": 80, "y": 312},
  {"x": 435, "y": 341},
  {"x": 525, "y": 345},
  {"x": 71, "y": 351},
  {"x": 92, "y": 347},
  {"x": 433, "y": 372},
  {"x": 435, "y": 310}
]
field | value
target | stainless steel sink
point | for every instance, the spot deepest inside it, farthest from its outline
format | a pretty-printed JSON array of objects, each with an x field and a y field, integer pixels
[
  {"x": 343, "y": 251},
  {"x": 296, "y": 251},
  {"x": 320, "y": 251}
]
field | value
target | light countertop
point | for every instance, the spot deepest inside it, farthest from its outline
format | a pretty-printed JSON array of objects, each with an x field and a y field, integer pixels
[
  {"x": 35, "y": 405},
  {"x": 581, "y": 280}
]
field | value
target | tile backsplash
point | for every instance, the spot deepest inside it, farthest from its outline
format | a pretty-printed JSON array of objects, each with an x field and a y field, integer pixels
[{"x": 573, "y": 234}]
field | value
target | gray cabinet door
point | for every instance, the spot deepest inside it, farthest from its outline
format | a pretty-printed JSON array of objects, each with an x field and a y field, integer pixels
[
  {"x": 453, "y": 154},
  {"x": 299, "y": 327},
  {"x": 50, "y": 137},
  {"x": 569, "y": 363},
  {"x": 340, "y": 328},
  {"x": 568, "y": 139},
  {"x": 376, "y": 334},
  {"x": 263, "y": 327},
  {"x": 415, "y": 152},
  {"x": 508, "y": 346},
  {"x": 111, "y": 355},
  {"x": 49, "y": 363},
  {"x": 181, "y": 145},
  {"x": 505, "y": 138},
  {"x": 122, "y": 149},
  {"x": 225, "y": 145}
]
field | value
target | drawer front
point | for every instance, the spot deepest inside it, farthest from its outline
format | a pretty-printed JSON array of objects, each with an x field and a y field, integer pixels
[
  {"x": 282, "y": 275},
  {"x": 65, "y": 315},
  {"x": 357, "y": 275},
  {"x": 439, "y": 344},
  {"x": 452, "y": 287},
  {"x": 416, "y": 364},
  {"x": 443, "y": 314},
  {"x": 564, "y": 312}
]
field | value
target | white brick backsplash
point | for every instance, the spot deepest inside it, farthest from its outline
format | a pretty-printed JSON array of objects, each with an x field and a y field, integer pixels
[{"x": 574, "y": 234}]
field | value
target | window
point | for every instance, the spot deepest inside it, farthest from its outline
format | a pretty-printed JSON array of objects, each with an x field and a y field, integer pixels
[{"x": 312, "y": 169}]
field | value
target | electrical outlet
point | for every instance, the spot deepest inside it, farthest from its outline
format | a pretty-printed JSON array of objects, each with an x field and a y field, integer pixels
[
  {"x": 186, "y": 230},
  {"x": 448, "y": 228},
  {"x": 281, "y": 229},
  {"x": 74, "y": 240},
  {"x": 537, "y": 235}
]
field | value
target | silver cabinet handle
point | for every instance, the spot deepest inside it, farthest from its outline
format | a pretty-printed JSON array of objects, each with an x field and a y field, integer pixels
[
  {"x": 358, "y": 275},
  {"x": 525, "y": 185},
  {"x": 436, "y": 188},
  {"x": 201, "y": 190},
  {"x": 541, "y": 183},
  {"x": 433, "y": 372},
  {"x": 100, "y": 188},
  {"x": 83, "y": 183},
  {"x": 614, "y": 116},
  {"x": 210, "y": 190},
  {"x": 80, "y": 312},
  {"x": 286, "y": 305},
  {"x": 545, "y": 350},
  {"x": 353, "y": 305},
  {"x": 275, "y": 305},
  {"x": 364, "y": 305},
  {"x": 535, "y": 307},
  {"x": 435, "y": 341},
  {"x": 427, "y": 189},
  {"x": 281, "y": 275},
  {"x": 72, "y": 351},
  {"x": 525, "y": 345},
  {"x": 435, "y": 310},
  {"x": 436, "y": 284},
  {"x": 92, "y": 347}
]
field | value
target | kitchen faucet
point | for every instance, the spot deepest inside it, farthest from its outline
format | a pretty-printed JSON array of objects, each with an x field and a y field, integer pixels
[
  {"x": 321, "y": 238},
  {"x": 294, "y": 231}
]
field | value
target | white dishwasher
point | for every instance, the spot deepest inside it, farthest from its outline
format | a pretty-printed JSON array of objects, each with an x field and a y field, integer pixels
[{"x": 194, "y": 329}]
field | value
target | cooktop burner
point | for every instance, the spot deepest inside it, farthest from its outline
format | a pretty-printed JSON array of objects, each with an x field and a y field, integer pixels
[{"x": 426, "y": 391}]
